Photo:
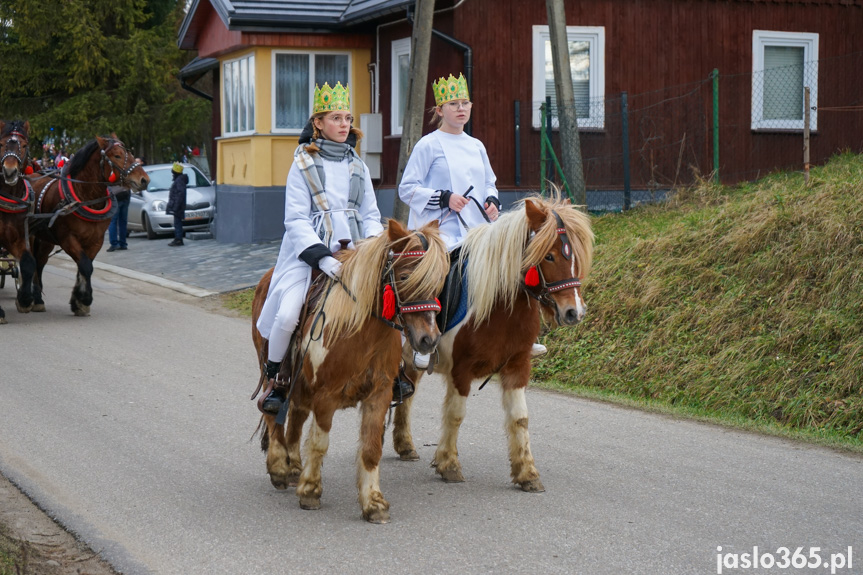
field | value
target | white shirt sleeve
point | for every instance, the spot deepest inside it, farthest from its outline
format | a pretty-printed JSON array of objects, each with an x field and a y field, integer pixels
[
  {"x": 298, "y": 207},
  {"x": 490, "y": 178},
  {"x": 369, "y": 212},
  {"x": 413, "y": 190}
]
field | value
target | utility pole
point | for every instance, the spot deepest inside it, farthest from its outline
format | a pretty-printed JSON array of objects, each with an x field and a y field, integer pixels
[
  {"x": 569, "y": 139},
  {"x": 417, "y": 88}
]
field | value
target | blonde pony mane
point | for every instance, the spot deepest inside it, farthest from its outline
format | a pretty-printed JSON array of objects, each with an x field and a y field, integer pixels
[
  {"x": 361, "y": 274},
  {"x": 499, "y": 254}
]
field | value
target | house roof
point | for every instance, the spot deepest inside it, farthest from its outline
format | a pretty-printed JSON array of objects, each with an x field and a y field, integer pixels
[{"x": 278, "y": 15}]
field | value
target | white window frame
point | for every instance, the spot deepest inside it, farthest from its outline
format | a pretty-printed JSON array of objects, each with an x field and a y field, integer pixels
[
  {"x": 249, "y": 110},
  {"x": 809, "y": 43},
  {"x": 399, "y": 48},
  {"x": 595, "y": 36},
  {"x": 311, "y": 55}
]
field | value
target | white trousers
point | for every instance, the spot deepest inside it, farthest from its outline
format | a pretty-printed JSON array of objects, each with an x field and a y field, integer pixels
[{"x": 287, "y": 317}]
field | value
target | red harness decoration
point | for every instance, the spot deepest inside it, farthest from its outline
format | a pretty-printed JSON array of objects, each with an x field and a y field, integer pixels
[
  {"x": 11, "y": 205},
  {"x": 389, "y": 310},
  {"x": 67, "y": 191}
]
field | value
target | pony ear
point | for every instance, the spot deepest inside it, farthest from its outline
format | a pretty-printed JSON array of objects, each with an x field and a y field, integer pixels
[
  {"x": 434, "y": 224},
  {"x": 395, "y": 230},
  {"x": 102, "y": 142},
  {"x": 535, "y": 215},
  {"x": 27, "y": 127},
  {"x": 2, "y": 125}
]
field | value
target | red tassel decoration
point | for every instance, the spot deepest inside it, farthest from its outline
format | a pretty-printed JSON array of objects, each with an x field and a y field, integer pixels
[
  {"x": 112, "y": 178},
  {"x": 389, "y": 302},
  {"x": 28, "y": 170},
  {"x": 531, "y": 278},
  {"x": 60, "y": 163}
]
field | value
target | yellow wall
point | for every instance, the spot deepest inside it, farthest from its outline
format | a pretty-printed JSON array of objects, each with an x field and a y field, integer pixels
[{"x": 263, "y": 159}]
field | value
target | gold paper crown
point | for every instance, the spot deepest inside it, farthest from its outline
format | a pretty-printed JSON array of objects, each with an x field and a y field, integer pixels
[
  {"x": 329, "y": 99},
  {"x": 450, "y": 89}
]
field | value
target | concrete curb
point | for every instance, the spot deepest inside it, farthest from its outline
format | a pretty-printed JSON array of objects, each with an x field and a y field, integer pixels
[{"x": 155, "y": 280}]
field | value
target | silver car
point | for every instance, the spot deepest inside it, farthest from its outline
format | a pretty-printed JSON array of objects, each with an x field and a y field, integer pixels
[{"x": 147, "y": 208}]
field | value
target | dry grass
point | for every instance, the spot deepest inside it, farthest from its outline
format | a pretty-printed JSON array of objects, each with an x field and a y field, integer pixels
[{"x": 736, "y": 302}]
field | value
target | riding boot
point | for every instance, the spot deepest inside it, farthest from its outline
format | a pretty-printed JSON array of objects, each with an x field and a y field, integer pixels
[
  {"x": 403, "y": 387},
  {"x": 274, "y": 400}
]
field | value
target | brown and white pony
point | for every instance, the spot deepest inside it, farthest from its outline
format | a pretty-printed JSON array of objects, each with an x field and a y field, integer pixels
[
  {"x": 16, "y": 200},
  {"x": 74, "y": 209},
  {"x": 356, "y": 359},
  {"x": 532, "y": 259}
]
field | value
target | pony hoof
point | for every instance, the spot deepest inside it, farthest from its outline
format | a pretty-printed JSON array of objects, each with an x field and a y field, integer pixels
[
  {"x": 409, "y": 455},
  {"x": 310, "y": 503},
  {"x": 83, "y": 311},
  {"x": 3, "y": 321},
  {"x": 23, "y": 309},
  {"x": 451, "y": 476},
  {"x": 280, "y": 483},
  {"x": 377, "y": 516},
  {"x": 38, "y": 307},
  {"x": 533, "y": 486}
]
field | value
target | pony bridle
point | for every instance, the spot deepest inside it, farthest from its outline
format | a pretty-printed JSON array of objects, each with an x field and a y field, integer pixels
[
  {"x": 22, "y": 161},
  {"x": 546, "y": 289},
  {"x": 123, "y": 172},
  {"x": 389, "y": 279}
]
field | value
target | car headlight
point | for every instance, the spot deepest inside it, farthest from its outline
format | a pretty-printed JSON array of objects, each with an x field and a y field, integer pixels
[{"x": 159, "y": 206}]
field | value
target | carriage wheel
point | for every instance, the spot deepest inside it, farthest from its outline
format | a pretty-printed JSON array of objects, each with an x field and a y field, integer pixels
[
  {"x": 17, "y": 276},
  {"x": 2, "y": 280}
]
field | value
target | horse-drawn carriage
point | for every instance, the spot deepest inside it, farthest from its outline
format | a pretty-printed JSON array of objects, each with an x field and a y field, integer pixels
[
  {"x": 71, "y": 209},
  {"x": 8, "y": 267}
]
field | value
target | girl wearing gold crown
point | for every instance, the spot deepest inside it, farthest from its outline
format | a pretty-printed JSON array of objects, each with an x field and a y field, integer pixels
[
  {"x": 329, "y": 196},
  {"x": 448, "y": 176},
  {"x": 447, "y": 168}
]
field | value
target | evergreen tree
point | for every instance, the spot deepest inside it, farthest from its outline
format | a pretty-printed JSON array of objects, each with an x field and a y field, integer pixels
[{"x": 91, "y": 67}]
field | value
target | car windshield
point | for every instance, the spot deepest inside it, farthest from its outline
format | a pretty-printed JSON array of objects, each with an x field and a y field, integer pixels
[{"x": 161, "y": 179}]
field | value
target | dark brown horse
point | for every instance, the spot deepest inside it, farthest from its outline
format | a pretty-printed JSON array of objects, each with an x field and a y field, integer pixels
[
  {"x": 75, "y": 208},
  {"x": 353, "y": 357},
  {"x": 16, "y": 202},
  {"x": 530, "y": 260}
]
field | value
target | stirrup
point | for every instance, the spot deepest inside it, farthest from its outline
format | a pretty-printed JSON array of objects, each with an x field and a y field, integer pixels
[
  {"x": 272, "y": 398},
  {"x": 403, "y": 388}
]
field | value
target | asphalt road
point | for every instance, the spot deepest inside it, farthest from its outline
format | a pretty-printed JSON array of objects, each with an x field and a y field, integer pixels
[{"x": 132, "y": 427}]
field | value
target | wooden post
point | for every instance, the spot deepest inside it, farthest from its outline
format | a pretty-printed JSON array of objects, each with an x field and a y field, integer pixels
[
  {"x": 412, "y": 129},
  {"x": 806, "y": 135},
  {"x": 570, "y": 144}
]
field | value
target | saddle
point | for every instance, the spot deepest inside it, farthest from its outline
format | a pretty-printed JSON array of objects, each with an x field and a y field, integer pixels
[{"x": 453, "y": 297}]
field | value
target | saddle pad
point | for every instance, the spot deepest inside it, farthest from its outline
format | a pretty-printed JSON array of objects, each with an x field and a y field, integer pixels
[{"x": 453, "y": 298}]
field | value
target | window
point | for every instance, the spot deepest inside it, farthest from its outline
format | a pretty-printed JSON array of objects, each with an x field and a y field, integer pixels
[
  {"x": 401, "y": 67},
  {"x": 294, "y": 77},
  {"x": 239, "y": 96},
  {"x": 783, "y": 64},
  {"x": 587, "y": 62}
]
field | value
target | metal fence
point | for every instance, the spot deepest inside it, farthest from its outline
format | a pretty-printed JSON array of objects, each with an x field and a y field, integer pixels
[{"x": 638, "y": 147}]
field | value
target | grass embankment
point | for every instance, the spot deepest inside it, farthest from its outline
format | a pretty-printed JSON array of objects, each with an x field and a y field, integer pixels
[{"x": 743, "y": 304}]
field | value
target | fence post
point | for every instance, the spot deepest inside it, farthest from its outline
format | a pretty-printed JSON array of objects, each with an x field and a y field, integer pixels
[
  {"x": 806, "y": 135},
  {"x": 517, "y": 143},
  {"x": 542, "y": 160},
  {"x": 624, "y": 115},
  {"x": 716, "y": 125},
  {"x": 549, "y": 131}
]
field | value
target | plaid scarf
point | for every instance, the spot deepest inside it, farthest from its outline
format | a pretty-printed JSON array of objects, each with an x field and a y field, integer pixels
[{"x": 311, "y": 165}]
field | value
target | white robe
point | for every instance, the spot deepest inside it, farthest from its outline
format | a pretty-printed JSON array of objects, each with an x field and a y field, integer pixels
[
  {"x": 442, "y": 161},
  {"x": 300, "y": 233}
]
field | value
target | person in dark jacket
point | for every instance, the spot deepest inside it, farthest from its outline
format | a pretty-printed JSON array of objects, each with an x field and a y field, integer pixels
[{"x": 177, "y": 202}]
